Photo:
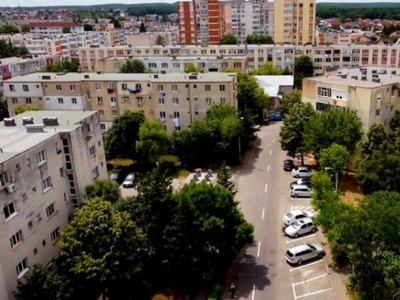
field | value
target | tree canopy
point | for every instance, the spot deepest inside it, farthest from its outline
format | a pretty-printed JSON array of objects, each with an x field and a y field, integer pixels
[
  {"x": 191, "y": 68},
  {"x": 62, "y": 66},
  {"x": 7, "y": 49},
  {"x": 121, "y": 138},
  {"x": 3, "y": 110},
  {"x": 229, "y": 39},
  {"x": 8, "y": 28},
  {"x": 24, "y": 108},
  {"x": 256, "y": 38},
  {"x": 303, "y": 67},
  {"x": 268, "y": 68},
  {"x": 133, "y": 66},
  {"x": 104, "y": 189},
  {"x": 288, "y": 101}
]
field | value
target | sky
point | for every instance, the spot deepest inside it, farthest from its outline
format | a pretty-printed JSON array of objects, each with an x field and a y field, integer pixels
[{"x": 31, "y": 3}]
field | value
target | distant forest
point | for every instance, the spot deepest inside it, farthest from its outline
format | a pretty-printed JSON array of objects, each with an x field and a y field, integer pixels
[{"x": 373, "y": 10}]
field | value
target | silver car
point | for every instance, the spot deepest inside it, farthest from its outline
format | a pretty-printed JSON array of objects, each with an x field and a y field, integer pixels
[
  {"x": 129, "y": 181},
  {"x": 301, "y": 227},
  {"x": 302, "y": 253},
  {"x": 301, "y": 191},
  {"x": 302, "y": 172},
  {"x": 296, "y": 215}
]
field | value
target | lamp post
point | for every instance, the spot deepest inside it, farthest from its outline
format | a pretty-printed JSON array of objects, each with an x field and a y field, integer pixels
[{"x": 336, "y": 177}]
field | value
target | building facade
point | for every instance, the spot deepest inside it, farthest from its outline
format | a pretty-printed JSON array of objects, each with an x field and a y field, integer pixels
[
  {"x": 47, "y": 158},
  {"x": 294, "y": 22},
  {"x": 374, "y": 92},
  {"x": 53, "y": 28},
  {"x": 177, "y": 99}
]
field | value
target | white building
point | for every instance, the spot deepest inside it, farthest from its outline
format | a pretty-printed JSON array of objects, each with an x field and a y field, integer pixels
[{"x": 47, "y": 158}]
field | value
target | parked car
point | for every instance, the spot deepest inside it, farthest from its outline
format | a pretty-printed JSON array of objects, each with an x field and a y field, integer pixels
[
  {"x": 296, "y": 215},
  {"x": 129, "y": 181},
  {"x": 115, "y": 175},
  {"x": 301, "y": 191},
  {"x": 276, "y": 116},
  {"x": 301, "y": 181},
  {"x": 302, "y": 253},
  {"x": 288, "y": 165},
  {"x": 301, "y": 227},
  {"x": 256, "y": 127},
  {"x": 302, "y": 172}
]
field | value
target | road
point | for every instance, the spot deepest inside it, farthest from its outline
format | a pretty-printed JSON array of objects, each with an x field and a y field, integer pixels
[{"x": 261, "y": 271}]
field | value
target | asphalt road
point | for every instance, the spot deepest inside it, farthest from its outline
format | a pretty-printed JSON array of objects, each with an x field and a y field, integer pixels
[{"x": 261, "y": 271}]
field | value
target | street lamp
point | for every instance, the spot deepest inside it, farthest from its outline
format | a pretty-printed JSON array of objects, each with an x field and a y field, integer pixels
[
  {"x": 240, "y": 146},
  {"x": 336, "y": 177}
]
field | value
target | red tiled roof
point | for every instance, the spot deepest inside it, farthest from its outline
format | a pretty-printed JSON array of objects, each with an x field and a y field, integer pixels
[{"x": 55, "y": 24}]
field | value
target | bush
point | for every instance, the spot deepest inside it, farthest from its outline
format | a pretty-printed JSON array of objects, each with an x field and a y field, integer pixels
[
  {"x": 215, "y": 292},
  {"x": 169, "y": 161}
]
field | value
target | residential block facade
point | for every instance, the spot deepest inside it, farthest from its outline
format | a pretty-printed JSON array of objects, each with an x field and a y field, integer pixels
[
  {"x": 47, "y": 158},
  {"x": 374, "y": 92},
  {"x": 177, "y": 99}
]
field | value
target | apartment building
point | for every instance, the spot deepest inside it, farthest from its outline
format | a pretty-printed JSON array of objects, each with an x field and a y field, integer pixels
[
  {"x": 373, "y": 92},
  {"x": 198, "y": 22},
  {"x": 177, "y": 99},
  {"x": 54, "y": 27},
  {"x": 47, "y": 158},
  {"x": 294, "y": 22},
  {"x": 150, "y": 38}
]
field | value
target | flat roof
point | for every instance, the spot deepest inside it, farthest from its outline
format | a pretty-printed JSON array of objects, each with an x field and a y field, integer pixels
[
  {"x": 355, "y": 76},
  {"x": 77, "y": 77},
  {"x": 16, "y": 139},
  {"x": 169, "y": 57}
]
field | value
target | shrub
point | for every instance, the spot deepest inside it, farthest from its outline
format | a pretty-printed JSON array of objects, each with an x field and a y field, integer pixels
[{"x": 169, "y": 161}]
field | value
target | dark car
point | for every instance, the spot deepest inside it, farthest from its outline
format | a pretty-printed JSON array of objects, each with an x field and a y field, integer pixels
[
  {"x": 275, "y": 117},
  {"x": 288, "y": 165},
  {"x": 301, "y": 181}
]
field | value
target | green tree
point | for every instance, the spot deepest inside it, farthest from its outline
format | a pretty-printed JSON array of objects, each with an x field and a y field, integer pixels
[
  {"x": 62, "y": 66},
  {"x": 104, "y": 189},
  {"x": 153, "y": 141},
  {"x": 294, "y": 124},
  {"x": 303, "y": 67},
  {"x": 3, "y": 110},
  {"x": 256, "y": 38},
  {"x": 142, "y": 27},
  {"x": 25, "y": 28},
  {"x": 191, "y": 68},
  {"x": 229, "y": 39},
  {"x": 395, "y": 121},
  {"x": 120, "y": 139},
  {"x": 24, "y": 108},
  {"x": 213, "y": 228},
  {"x": 8, "y": 28},
  {"x": 288, "y": 101},
  {"x": 160, "y": 40},
  {"x": 7, "y": 49},
  {"x": 268, "y": 68},
  {"x": 40, "y": 283},
  {"x": 66, "y": 29},
  {"x": 340, "y": 126},
  {"x": 133, "y": 66},
  {"x": 376, "y": 138},
  {"x": 225, "y": 179},
  {"x": 100, "y": 249}
]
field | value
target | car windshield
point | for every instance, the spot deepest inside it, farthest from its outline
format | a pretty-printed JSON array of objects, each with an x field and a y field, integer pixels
[
  {"x": 296, "y": 225},
  {"x": 130, "y": 177},
  {"x": 290, "y": 254},
  {"x": 289, "y": 215},
  {"x": 311, "y": 246}
]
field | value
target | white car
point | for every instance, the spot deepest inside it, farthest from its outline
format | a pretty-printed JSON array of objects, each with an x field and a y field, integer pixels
[
  {"x": 296, "y": 215},
  {"x": 300, "y": 227},
  {"x": 302, "y": 172},
  {"x": 299, "y": 254}
]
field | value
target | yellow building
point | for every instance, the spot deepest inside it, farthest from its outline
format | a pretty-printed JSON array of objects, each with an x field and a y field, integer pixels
[
  {"x": 294, "y": 22},
  {"x": 177, "y": 99},
  {"x": 373, "y": 92}
]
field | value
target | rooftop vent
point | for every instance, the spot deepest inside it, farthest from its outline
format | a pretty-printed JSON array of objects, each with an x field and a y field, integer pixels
[
  {"x": 155, "y": 75},
  {"x": 98, "y": 72},
  {"x": 47, "y": 77},
  {"x": 9, "y": 122},
  {"x": 86, "y": 76},
  {"x": 364, "y": 78},
  {"x": 50, "y": 121},
  {"x": 163, "y": 72},
  {"x": 27, "y": 120},
  {"x": 34, "y": 127},
  {"x": 193, "y": 76},
  {"x": 354, "y": 77}
]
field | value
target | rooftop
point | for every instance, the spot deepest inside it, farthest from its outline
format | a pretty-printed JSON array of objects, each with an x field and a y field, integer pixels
[
  {"x": 16, "y": 139},
  {"x": 368, "y": 77},
  {"x": 77, "y": 77}
]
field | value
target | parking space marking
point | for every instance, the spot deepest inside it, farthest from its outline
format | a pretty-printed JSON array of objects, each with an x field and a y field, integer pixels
[
  {"x": 313, "y": 293},
  {"x": 254, "y": 292},
  {"x": 266, "y": 187},
  {"x": 299, "y": 239},
  {"x": 273, "y": 141},
  {"x": 259, "y": 248},
  {"x": 263, "y": 213},
  {"x": 270, "y": 152},
  {"x": 268, "y": 169},
  {"x": 305, "y": 281},
  {"x": 302, "y": 207},
  {"x": 300, "y": 199},
  {"x": 306, "y": 266}
]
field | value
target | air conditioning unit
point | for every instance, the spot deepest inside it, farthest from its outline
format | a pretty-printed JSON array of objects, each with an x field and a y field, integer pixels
[{"x": 11, "y": 188}]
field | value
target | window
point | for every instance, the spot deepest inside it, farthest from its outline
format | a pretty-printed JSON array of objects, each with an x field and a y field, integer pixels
[
  {"x": 161, "y": 101},
  {"x": 124, "y": 86},
  {"x": 55, "y": 234},
  {"x": 99, "y": 100},
  {"x": 43, "y": 243},
  {"x": 377, "y": 112},
  {"x": 174, "y": 88},
  {"x": 92, "y": 150},
  {"x": 46, "y": 184},
  {"x": 322, "y": 106},
  {"x": 95, "y": 172},
  {"x": 73, "y": 100},
  {"x": 176, "y": 114},
  {"x": 14, "y": 100},
  {"x": 60, "y": 100},
  {"x": 164, "y": 65},
  {"x": 208, "y": 101},
  {"x": 50, "y": 210},
  {"x": 12, "y": 87},
  {"x": 25, "y": 88},
  {"x": 111, "y": 86},
  {"x": 16, "y": 239},
  {"x": 4, "y": 179},
  {"x": 162, "y": 114},
  {"x": 222, "y": 87},
  {"x": 35, "y": 251},
  {"x": 9, "y": 210},
  {"x": 72, "y": 87},
  {"x": 324, "y": 92},
  {"x": 115, "y": 112},
  {"x": 22, "y": 267},
  {"x": 160, "y": 87},
  {"x": 175, "y": 100},
  {"x": 58, "y": 87},
  {"x": 17, "y": 167},
  {"x": 208, "y": 87},
  {"x": 223, "y": 100},
  {"x": 28, "y": 100},
  {"x": 41, "y": 157},
  {"x": 98, "y": 86},
  {"x": 113, "y": 99}
]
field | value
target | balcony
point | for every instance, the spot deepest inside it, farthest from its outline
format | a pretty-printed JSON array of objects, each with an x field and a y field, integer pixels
[{"x": 110, "y": 90}]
